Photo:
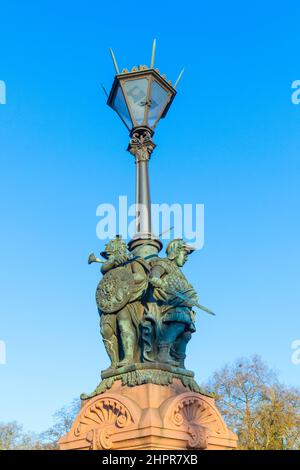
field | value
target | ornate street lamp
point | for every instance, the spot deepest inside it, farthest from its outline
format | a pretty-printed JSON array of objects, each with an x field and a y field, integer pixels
[{"x": 141, "y": 98}]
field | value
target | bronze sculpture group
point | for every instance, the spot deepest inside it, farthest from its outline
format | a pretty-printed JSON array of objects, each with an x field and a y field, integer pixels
[{"x": 145, "y": 305}]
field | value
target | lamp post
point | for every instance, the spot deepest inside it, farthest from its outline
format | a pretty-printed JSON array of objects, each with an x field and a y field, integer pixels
[
  {"x": 146, "y": 399},
  {"x": 141, "y": 98}
]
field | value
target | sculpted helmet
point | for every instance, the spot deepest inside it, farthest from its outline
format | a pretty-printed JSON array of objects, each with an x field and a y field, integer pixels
[
  {"x": 115, "y": 246},
  {"x": 175, "y": 246}
]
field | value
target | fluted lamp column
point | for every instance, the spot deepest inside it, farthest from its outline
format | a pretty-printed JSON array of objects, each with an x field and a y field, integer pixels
[{"x": 142, "y": 146}]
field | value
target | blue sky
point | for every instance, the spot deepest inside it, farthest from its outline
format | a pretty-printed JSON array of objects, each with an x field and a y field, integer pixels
[{"x": 230, "y": 141}]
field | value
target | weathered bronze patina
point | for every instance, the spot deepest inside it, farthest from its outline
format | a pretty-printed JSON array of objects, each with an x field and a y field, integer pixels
[
  {"x": 146, "y": 398},
  {"x": 146, "y": 307},
  {"x": 145, "y": 302}
]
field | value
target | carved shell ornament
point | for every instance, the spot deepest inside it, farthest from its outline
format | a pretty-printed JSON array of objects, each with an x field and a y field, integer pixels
[
  {"x": 115, "y": 290},
  {"x": 200, "y": 417},
  {"x": 194, "y": 411},
  {"x": 109, "y": 413}
]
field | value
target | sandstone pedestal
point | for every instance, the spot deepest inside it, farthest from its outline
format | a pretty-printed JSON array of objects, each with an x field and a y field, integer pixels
[{"x": 149, "y": 416}]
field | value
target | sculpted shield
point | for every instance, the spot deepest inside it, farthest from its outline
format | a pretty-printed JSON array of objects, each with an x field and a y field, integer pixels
[{"x": 114, "y": 290}]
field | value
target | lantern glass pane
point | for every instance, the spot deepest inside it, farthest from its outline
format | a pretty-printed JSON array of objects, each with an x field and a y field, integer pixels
[
  {"x": 119, "y": 105},
  {"x": 136, "y": 94},
  {"x": 158, "y": 102}
]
